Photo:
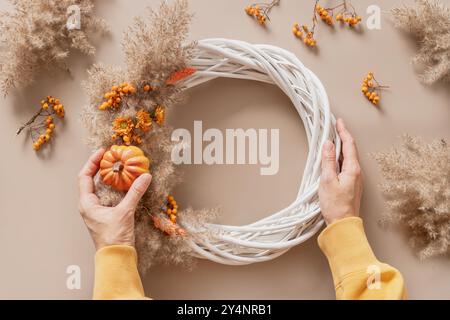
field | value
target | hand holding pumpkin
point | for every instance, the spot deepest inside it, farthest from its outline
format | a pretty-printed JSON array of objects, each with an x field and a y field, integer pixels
[
  {"x": 121, "y": 165},
  {"x": 109, "y": 225}
]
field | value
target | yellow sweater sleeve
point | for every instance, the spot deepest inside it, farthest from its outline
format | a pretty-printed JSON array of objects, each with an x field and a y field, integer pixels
[
  {"x": 116, "y": 274},
  {"x": 357, "y": 273}
]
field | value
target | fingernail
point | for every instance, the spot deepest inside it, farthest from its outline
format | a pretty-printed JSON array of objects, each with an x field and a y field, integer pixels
[{"x": 146, "y": 176}]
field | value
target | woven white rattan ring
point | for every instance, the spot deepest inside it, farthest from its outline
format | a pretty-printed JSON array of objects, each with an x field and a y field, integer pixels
[{"x": 272, "y": 236}]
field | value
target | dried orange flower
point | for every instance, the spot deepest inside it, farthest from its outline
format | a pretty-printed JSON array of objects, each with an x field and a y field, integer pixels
[
  {"x": 144, "y": 121},
  {"x": 160, "y": 115},
  {"x": 179, "y": 75},
  {"x": 123, "y": 127},
  {"x": 369, "y": 88},
  {"x": 113, "y": 98},
  {"x": 131, "y": 129},
  {"x": 43, "y": 132},
  {"x": 261, "y": 11}
]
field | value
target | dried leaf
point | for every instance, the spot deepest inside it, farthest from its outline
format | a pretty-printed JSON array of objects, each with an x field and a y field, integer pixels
[{"x": 180, "y": 75}]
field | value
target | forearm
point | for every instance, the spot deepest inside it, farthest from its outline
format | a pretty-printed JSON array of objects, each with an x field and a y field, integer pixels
[
  {"x": 116, "y": 274},
  {"x": 357, "y": 273}
]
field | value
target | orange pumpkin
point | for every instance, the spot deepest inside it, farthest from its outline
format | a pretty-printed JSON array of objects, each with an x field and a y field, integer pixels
[{"x": 121, "y": 165}]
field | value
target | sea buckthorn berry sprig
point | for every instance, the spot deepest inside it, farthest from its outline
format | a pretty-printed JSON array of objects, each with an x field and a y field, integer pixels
[
  {"x": 348, "y": 16},
  {"x": 260, "y": 11},
  {"x": 113, "y": 98},
  {"x": 345, "y": 15},
  {"x": 370, "y": 88},
  {"x": 42, "y": 132},
  {"x": 326, "y": 15},
  {"x": 171, "y": 209},
  {"x": 305, "y": 34},
  {"x": 166, "y": 220}
]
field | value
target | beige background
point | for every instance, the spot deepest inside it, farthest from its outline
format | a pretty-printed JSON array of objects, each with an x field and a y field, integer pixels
[{"x": 41, "y": 232}]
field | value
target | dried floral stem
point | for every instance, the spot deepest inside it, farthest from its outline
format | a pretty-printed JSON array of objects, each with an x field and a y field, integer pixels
[
  {"x": 30, "y": 122},
  {"x": 269, "y": 7},
  {"x": 379, "y": 86},
  {"x": 314, "y": 19}
]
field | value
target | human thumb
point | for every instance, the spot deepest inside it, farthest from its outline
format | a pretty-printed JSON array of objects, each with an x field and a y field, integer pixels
[
  {"x": 328, "y": 161},
  {"x": 137, "y": 190}
]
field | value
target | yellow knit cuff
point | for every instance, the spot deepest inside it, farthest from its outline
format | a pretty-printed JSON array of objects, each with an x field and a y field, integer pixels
[
  {"x": 345, "y": 245},
  {"x": 116, "y": 274}
]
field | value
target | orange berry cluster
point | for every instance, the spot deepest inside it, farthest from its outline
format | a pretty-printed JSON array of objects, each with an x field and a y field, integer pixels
[
  {"x": 326, "y": 15},
  {"x": 309, "y": 37},
  {"x": 368, "y": 88},
  {"x": 256, "y": 12},
  {"x": 55, "y": 104},
  {"x": 45, "y": 137},
  {"x": 49, "y": 107},
  {"x": 171, "y": 209},
  {"x": 147, "y": 88},
  {"x": 115, "y": 96},
  {"x": 349, "y": 18}
]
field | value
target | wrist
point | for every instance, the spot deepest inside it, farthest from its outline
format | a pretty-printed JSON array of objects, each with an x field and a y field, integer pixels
[
  {"x": 118, "y": 242},
  {"x": 333, "y": 219}
]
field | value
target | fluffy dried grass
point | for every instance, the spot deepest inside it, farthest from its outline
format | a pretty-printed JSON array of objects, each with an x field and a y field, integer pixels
[
  {"x": 155, "y": 48},
  {"x": 417, "y": 189},
  {"x": 429, "y": 23},
  {"x": 34, "y": 38}
]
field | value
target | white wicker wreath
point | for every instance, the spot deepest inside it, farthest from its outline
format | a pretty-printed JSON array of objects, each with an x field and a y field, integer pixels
[{"x": 270, "y": 237}]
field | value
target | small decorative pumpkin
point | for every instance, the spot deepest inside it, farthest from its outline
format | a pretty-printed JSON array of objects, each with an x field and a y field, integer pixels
[{"x": 121, "y": 165}]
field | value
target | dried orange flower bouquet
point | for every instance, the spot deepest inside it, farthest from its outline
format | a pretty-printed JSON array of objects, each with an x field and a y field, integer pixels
[{"x": 128, "y": 108}]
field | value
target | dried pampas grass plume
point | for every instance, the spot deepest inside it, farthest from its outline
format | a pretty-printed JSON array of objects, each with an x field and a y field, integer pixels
[
  {"x": 155, "y": 50},
  {"x": 417, "y": 189},
  {"x": 34, "y": 37},
  {"x": 429, "y": 23}
]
